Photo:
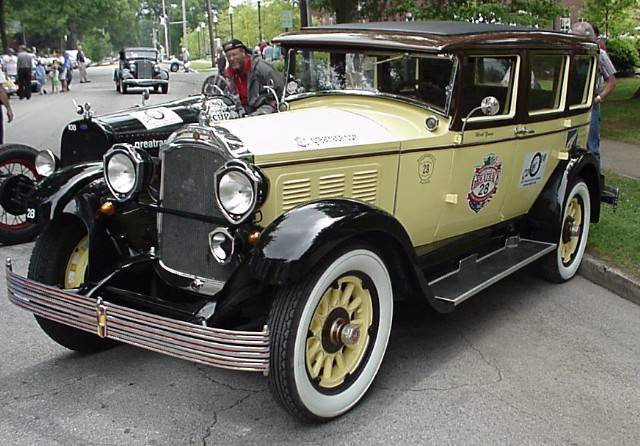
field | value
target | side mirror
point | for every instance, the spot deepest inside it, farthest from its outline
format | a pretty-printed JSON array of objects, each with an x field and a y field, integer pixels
[{"x": 490, "y": 106}]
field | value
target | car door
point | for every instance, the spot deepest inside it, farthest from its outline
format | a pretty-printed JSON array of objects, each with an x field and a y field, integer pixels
[
  {"x": 483, "y": 162},
  {"x": 553, "y": 119}
]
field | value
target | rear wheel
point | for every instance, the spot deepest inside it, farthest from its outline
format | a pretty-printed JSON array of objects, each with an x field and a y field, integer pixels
[
  {"x": 175, "y": 67},
  {"x": 60, "y": 257},
  {"x": 17, "y": 172},
  {"x": 329, "y": 335},
  {"x": 563, "y": 263}
]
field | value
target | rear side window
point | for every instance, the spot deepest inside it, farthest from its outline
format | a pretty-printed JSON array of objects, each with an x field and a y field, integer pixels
[
  {"x": 580, "y": 81},
  {"x": 547, "y": 72},
  {"x": 489, "y": 76}
]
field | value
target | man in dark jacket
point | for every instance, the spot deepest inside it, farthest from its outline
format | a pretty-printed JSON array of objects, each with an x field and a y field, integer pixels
[
  {"x": 248, "y": 75},
  {"x": 25, "y": 68}
]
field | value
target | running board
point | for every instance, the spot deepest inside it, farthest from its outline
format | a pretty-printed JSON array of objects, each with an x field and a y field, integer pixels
[{"x": 475, "y": 274}]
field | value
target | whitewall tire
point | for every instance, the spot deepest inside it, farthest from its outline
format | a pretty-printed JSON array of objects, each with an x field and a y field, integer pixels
[{"x": 318, "y": 371}]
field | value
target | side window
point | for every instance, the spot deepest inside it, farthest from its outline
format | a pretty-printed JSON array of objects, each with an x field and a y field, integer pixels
[
  {"x": 490, "y": 76},
  {"x": 545, "y": 90},
  {"x": 434, "y": 80},
  {"x": 579, "y": 85},
  {"x": 397, "y": 75}
]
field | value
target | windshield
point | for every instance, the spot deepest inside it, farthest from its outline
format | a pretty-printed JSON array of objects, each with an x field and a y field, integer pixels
[
  {"x": 423, "y": 78},
  {"x": 140, "y": 54}
]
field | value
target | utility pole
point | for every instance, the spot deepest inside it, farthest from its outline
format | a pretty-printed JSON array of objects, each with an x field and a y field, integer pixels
[
  {"x": 165, "y": 22},
  {"x": 305, "y": 14},
  {"x": 259, "y": 22},
  {"x": 212, "y": 40},
  {"x": 231, "y": 19},
  {"x": 185, "y": 42}
]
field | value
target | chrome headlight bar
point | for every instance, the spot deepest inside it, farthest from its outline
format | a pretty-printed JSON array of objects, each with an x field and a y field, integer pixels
[
  {"x": 240, "y": 188},
  {"x": 126, "y": 170}
]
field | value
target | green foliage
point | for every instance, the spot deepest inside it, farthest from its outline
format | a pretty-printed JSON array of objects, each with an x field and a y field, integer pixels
[
  {"x": 613, "y": 17},
  {"x": 620, "y": 112},
  {"x": 97, "y": 45},
  {"x": 623, "y": 53}
]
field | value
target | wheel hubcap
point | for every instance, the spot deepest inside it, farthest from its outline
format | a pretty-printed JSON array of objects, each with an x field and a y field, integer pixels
[
  {"x": 571, "y": 230},
  {"x": 338, "y": 332},
  {"x": 77, "y": 264}
]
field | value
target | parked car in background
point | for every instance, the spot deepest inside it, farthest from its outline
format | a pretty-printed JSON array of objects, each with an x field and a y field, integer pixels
[
  {"x": 139, "y": 67},
  {"x": 409, "y": 160},
  {"x": 174, "y": 65}
]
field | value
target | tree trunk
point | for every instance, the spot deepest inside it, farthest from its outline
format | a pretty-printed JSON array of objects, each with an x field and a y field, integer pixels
[
  {"x": 345, "y": 10},
  {"x": 636, "y": 95},
  {"x": 3, "y": 29}
]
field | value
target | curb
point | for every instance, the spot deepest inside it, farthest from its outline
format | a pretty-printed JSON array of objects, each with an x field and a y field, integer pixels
[{"x": 611, "y": 278}]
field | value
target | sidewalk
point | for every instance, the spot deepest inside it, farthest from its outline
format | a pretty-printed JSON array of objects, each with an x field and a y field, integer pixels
[{"x": 621, "y": 158}]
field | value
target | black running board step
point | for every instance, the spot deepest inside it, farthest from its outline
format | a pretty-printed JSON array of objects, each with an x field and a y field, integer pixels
[{"x": 475, "y": 274}]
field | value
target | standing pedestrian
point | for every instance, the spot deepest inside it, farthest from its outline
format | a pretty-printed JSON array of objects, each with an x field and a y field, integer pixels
[
  {"x": 267, "y": 52},
  {"x": 82, "y": 65},
  {"x": 41, "y": 77},
  {"x": 10, "y": 65},
  {"x": 54, "y": 74},
  {"x": 25, "y": 73},
  {"x": 605, "y": 84},
  {"x": 65, "y": 72},
  {"x": 4, "y": 100},
  {"x": 185, "y": 59}
]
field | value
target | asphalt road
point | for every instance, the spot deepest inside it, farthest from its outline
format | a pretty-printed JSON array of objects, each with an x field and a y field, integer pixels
[{"x": 524, "y": 362}]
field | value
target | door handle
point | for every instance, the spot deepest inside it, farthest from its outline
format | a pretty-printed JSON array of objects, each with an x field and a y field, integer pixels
[{"x": 523, "y": 131}]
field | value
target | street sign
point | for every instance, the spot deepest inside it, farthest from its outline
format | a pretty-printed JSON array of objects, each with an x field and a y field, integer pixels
[{"x": 286, "y": 19}]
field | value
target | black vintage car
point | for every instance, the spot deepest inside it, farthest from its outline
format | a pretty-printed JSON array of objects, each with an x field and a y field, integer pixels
[
  {"x": 85, "y": 140},
  {"x": 139, "y": 67}
]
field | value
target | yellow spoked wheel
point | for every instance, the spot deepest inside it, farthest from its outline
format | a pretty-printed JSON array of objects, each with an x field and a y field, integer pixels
[
  {"x": 60, "y": 258},
  {"x": 329, "y": 332},
  {"x": 339, "y": 332},
  {"x": 563, "y": 263},
  {"x": 77, "y": 264},
  {"x": 571, "y": 231}
]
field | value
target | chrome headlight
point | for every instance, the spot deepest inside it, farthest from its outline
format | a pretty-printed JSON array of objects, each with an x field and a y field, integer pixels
[
  {"x": 46, "y": 163},
  {"x": 132, "y": 66},
  {"x": 239, "y": 189},
  {"x": 126, "y": 170}
]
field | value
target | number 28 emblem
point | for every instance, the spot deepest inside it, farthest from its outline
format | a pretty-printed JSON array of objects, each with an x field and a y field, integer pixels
[{"x": 426, "y": 164}]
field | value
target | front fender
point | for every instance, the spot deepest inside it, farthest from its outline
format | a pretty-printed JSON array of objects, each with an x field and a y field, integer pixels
[
  {"x": 295, "y": 242},
  {"x": 545, "y": 216},
  {"x": 60, "y": 193}
]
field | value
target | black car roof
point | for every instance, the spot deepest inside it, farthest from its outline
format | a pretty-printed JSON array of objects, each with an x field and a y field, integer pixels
[
  {"x": 439, "y": 28},
  {"x": 433, "y": 36},
  {"x": 139, "y": 48}
]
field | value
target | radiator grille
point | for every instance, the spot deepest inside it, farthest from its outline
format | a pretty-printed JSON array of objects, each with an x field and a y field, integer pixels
[
  {"x": 144, "y": 69},
  {"x": 188, "y": 185}
]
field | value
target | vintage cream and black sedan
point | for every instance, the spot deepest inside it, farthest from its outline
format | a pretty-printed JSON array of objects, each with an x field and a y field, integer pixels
[{"x": 422, "y": 160}]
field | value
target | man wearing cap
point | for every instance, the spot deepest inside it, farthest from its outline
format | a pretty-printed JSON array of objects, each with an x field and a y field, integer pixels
[{"x": 248, "y": 75}]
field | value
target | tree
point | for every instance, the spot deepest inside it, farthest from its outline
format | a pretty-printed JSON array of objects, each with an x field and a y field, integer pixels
[{"x": 614, "y": 17}]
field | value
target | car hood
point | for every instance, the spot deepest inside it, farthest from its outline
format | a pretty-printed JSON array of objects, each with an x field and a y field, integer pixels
[{"x": 316, "y": 130}]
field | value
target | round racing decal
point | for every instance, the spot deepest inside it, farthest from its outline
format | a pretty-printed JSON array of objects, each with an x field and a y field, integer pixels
[{"x": 484, "y": 183}]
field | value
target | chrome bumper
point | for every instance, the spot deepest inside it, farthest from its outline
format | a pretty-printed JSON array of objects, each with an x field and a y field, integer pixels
[{"x": 236, "y": 350}]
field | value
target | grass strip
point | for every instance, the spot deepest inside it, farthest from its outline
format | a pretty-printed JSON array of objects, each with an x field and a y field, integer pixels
[
  {"x": 620, "y": 113},
  {"x": 617, "y": 237}
]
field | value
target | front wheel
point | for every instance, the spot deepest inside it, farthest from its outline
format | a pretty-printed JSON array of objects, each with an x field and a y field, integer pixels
[
  {"x": 164, "y": 88},
  {"x": 329, "y": 334},
  {"x": 60, "y": 257},
  {"x": 123, "y": 87},
  {"x": 563, "y": 263},
  {"x": 17, "y": 169}
]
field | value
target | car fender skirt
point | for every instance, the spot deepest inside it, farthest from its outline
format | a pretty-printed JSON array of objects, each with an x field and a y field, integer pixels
[{"x": 300, "y": 238}]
